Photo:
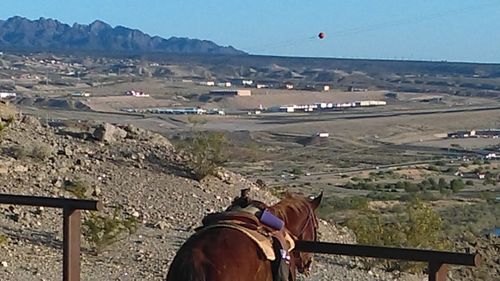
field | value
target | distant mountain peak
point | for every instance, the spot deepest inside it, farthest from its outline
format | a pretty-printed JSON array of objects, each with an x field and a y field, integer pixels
[
  {"x": 99, "y": 25},
  {"x": 19, "y": 33}
]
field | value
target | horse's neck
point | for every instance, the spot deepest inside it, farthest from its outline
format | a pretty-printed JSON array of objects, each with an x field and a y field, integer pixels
[{"x": 292, "y": 219}]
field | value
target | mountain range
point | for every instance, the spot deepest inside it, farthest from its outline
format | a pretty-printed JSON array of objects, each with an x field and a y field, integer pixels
[{"x": 19, "y": 33}]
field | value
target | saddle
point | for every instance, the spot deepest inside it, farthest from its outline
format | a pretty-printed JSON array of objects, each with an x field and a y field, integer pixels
[{"x": 248, "y": 223}]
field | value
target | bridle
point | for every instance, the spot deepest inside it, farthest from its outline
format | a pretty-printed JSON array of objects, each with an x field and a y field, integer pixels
[{"x": 304, "y": 267}]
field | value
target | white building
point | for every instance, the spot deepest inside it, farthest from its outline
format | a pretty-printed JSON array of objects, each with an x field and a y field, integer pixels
[
  {"x": 247, "y": 82},
  {"x": 224, "y": 84},
  {"x": 136, "y": 93},
  {"x": 207, "y": 83},
  {"x": 80, "y": 94},
  {"x": 5, "y": 95}
]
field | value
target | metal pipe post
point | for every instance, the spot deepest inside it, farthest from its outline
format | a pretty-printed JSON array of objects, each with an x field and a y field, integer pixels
[{"x": 71, "y": 244}]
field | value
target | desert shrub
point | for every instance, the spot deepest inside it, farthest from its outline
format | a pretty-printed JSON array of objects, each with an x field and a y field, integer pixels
[
  {"x": 445, "y": 192},
  {"x": 457, "y": 184},
  {"x": 3, "y": 239},
  {"x": 410, "y": 187},
  {"x": 429, "y": 196},
  {"x": 2, "y": 127},
  {"x": 472, "y": 218},
  {"x": 297, "y": 171},
  {"x": 433, "y": 183},
  {"x": 349, "y": 185},
  {"x": 4, "y": 124},
  {"x": 442, "y": 184},
  {"x": 205, "y": 153},
  {"x": 489, "y": 180},
  {"x": 451, "y": 170},
  {"x": 433, "y": 168},
  {"x": 419, "y": 226},
  {"x": 76, "y": 187},
  {"x": 331, "y": 204},
  {"x": 440, "y": 163},
  {"x": 383, "y": 196},
  {"x": 196, "y": 120},
  {"x": 244, "y": 153},
  {"x": 469, "y": 182},
  {"x": 36, "y": 150},
  {"x": 102, "y": 230}
]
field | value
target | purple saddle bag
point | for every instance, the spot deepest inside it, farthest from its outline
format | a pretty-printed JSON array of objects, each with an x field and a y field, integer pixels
[{"x": 271, "y": 220}]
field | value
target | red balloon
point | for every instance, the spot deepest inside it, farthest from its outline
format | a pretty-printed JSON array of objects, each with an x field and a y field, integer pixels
[{"x": 321, "y": 35}]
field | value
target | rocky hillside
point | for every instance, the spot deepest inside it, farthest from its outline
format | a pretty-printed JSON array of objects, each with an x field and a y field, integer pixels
[
  {"x": 137, "y": 169},
  {"x": 18, "y": 33}
]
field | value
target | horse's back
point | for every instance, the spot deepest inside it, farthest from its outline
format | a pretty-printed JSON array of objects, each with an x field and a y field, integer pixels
[{"x": 220, "y": 254}]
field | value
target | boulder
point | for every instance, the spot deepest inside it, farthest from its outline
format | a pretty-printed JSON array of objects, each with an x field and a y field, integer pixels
[
  {"x": 7, "y": 111},
  {"x": 109, "y": 133},
  {"x": 159, "y": 140}
]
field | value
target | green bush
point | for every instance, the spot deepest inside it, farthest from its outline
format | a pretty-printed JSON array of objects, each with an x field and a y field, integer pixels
[
  {"x": 433, "y": 168},
  {"x": 418, "y": 227},
  {"x": 2, "y": 127},
  {"x": 490, "y": 180},
  {"x": 456, "y": 185},
  {"x": 76, "y": 187},
  {"x": 452, "y": 170},
  {"x": 297, "y": 171},
  {"x": 440, "y": 163},
  {"x": 4, "y": 124},
  {"x": 205, "y": 153},
  {"x": 330, "y": 205},
  {"x": 442, "y": 184},
  {"x": 36, "y": 150},
  {"x": 3, "y": 239},
  {"x": 382, "y": 196},
  {"x": 101, "y": 230}
]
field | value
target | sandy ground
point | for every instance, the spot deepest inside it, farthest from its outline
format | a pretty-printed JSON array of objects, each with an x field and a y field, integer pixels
[
  {"x": 269, "y": 97},
  {"x": 116, "y": 103}
]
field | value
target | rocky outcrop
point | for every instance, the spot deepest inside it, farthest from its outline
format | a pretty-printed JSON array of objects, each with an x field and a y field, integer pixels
[
  {"x": 7, "y": 111},
  {"x": 109, "y": 133},
  {"x": 488, "y": 247}
]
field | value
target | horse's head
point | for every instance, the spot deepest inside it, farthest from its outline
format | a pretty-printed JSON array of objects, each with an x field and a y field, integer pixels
[{"x": 299, "y": 216}]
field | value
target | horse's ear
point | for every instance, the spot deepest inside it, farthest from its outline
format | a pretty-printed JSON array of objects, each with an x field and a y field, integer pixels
[{"x": 316, "y": 201}]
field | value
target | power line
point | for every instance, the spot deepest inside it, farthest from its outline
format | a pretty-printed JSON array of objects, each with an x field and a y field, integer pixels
[{"x": 377, "y": 26}]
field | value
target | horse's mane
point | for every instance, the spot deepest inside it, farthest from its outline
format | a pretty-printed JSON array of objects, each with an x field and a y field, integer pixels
[{"x": 291, "y": 201}]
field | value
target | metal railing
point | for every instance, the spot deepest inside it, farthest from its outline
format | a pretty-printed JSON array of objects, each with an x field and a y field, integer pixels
[
  {"x": 437, "y": 260},
  {"x": 71, "y": 225}
]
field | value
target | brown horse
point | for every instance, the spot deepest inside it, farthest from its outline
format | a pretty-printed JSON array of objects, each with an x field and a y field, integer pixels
[{"x": 226, "y": 254}]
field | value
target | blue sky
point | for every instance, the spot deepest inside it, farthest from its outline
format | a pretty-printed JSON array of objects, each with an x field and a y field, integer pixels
[{"x": 453, "y": 30}]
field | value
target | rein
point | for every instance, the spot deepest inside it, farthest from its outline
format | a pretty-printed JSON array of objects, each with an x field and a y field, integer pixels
[
  {"x": 298, "y": 255},
  {"x": 306, "y": 224}
]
